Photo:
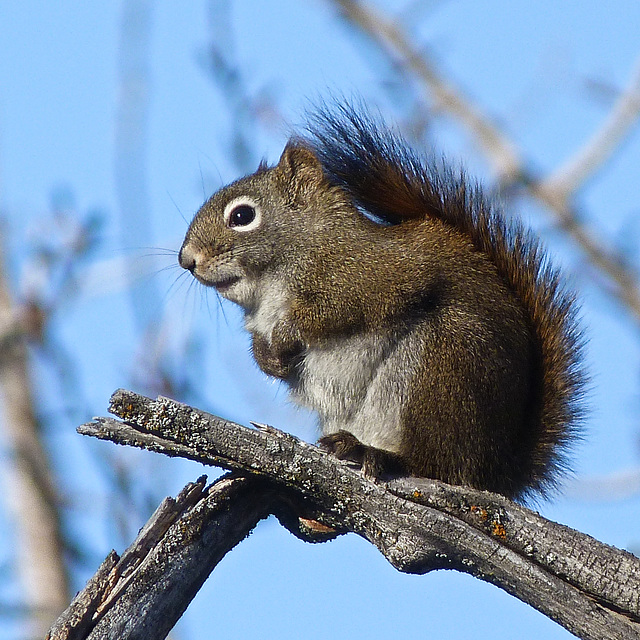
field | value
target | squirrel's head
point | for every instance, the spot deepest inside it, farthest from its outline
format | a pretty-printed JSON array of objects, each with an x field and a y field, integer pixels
[{"x": 265, "y": 224}]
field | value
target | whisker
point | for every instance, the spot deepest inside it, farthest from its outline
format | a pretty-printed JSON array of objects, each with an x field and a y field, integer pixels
[
  {"x": 204, "y": 191},
  {"x": 164, "y": 249},
  {"x": 169, "y": 267},
  {"x": 175, "y": 204},
  {"x": 179, "y": 280},
  {"x": 163, "y": 253},
  {"x": 221, "y": 307}
]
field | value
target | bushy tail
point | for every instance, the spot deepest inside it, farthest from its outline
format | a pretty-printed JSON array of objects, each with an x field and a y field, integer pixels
[{"x": 385, "y": 178}]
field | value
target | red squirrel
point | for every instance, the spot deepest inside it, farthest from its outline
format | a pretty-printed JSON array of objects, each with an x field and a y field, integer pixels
[{"x": 429, "y": 333}]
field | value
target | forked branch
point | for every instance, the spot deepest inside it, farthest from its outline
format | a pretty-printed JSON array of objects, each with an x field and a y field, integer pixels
[{"x": 419, "y": 525}]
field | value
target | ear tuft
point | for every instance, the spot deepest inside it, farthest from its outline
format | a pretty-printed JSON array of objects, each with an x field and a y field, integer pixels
[{"x": 299, "y": 163}]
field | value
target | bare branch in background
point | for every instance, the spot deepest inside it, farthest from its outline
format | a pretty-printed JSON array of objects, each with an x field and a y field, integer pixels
[
  {"x": 245, "y": 108},
  {"x": 594, "y": 154},
  {"x": 132, "y": 126},
  {"x": 39, "y": 558},
  {"x": 555, "y": 192},
  {"x": 443, "y": 95}
]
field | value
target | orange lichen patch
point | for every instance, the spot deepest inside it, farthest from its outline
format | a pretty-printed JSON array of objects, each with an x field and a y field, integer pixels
[
  {"x": 125, "y": 411},
  {"x": 417, "y": 494},
  {"x": 480, "y": 511},
  {"x": 498, "y": 530}
]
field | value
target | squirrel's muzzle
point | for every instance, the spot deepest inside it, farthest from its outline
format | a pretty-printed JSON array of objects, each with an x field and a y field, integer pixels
[{"x": 186, "y": 258}]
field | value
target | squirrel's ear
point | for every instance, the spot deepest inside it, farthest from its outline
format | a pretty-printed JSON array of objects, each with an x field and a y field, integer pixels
[{"x": 300, "y": 166}]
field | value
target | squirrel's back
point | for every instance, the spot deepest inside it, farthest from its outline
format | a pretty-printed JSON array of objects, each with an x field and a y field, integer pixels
[{"x": 384, "y": 178}]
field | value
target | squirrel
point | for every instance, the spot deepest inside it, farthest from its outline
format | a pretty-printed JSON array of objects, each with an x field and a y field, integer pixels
[{"x": 430, "y": 334}]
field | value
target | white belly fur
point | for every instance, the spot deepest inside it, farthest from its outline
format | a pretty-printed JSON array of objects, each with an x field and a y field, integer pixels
[
  {"x": 272, "y": 303},
  {"x": 353, "y": 386}
]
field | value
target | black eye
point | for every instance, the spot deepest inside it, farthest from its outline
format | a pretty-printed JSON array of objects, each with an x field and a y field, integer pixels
[{"x": 242, "y": 215}]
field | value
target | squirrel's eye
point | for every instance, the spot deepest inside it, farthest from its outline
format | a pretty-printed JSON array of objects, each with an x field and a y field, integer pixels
[{"x": 242, "y": 214}]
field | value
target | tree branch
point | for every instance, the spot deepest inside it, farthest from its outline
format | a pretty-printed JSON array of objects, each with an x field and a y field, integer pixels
[
  {"x": 419, "y": 525},
  {"x": 143, "y": 594}
]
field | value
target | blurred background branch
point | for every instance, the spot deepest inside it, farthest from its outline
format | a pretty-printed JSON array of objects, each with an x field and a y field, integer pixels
[
  {"x": 558, "y": 191},
  {"x": 30, "y": 492}
]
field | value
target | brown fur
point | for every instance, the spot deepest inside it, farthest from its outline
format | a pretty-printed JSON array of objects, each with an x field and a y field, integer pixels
[
  {"x": 396, "y": 301},
  {"x": 383, "y": 176}
]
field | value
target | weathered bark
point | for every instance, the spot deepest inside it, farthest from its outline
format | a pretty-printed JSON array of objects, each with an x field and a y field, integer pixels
[
  {"x": 419, "y": 525},
  {"x": 143, "y": 594}
]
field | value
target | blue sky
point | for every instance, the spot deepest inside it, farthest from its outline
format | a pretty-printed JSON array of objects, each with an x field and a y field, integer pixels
[{"x": 545, "y": 71}]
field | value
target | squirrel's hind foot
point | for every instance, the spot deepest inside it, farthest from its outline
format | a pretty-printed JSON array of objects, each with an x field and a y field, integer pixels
[{"x": 374, "y": 463}]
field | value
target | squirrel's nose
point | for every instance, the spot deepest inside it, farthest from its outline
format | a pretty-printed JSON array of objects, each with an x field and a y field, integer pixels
[{"x": 187, "y": 258}]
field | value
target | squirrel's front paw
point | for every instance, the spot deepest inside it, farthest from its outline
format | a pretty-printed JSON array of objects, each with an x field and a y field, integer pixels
[{"x": 272, "y": 363}]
